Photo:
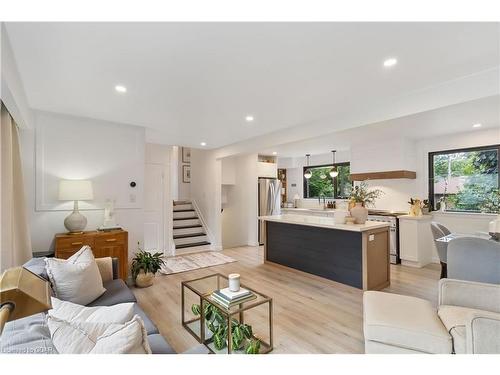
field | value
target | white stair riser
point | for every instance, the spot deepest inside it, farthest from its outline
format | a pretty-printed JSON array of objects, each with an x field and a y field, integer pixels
[
  {"x": 178, "y": 215},
  {"x": 181, "y": 223},
  {"x": 188, "y": 240},
  {"x": 188, "y": 230},
  {"x": 183, "y": 207}
]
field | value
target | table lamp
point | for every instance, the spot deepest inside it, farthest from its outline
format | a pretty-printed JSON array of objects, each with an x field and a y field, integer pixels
[
  {"x": 75, "y": 190},
  {"x": 22, "y": 293}
]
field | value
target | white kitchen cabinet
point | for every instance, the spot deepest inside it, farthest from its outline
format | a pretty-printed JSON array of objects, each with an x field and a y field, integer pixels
[
  {"x": 269, "y": 170},
  {"x": 416, "y": 244}
]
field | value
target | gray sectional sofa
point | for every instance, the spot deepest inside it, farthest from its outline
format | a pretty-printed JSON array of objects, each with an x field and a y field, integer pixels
[{"x": 31, "y": 334}]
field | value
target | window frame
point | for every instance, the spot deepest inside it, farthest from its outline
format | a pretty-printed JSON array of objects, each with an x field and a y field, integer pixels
[
  {"x": 334, "y": 179},
  {"x": 454, "y": 151}
]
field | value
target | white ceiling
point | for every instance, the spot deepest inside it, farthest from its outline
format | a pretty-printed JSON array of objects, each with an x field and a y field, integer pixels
[
  {"x": 457, "y": 118},
  {"x": 193, "y": 82}
]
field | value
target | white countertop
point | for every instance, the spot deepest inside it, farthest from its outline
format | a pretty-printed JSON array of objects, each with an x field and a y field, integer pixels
[{"x": 323, "y": 222}]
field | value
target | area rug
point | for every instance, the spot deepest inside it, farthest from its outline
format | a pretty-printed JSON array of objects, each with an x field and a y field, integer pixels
[{"x": 189, "y": 262}]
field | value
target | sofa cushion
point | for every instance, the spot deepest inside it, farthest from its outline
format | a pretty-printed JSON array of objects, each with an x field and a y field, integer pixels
[
  {"x": 37, "y": 266},
  {"x": 454, "y": 319},
  {"x": 159, "y": 345},
  {"x": 76, "y": 279},
  {"x": 99, "y": 338},
  {"x": 403, "y": 321},
  {"x": 116, "y": 292},
  {"x": 148, "y": 324},
  {"x": 28, "y": 335},
  {"x": 71, "y": 312}
]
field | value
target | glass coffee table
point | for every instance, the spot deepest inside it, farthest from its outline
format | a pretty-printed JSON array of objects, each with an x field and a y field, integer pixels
[{"x": 229, "y": 323}]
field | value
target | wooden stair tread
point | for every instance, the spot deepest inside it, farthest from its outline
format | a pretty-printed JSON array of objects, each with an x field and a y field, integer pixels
[
  {"x": 189, "y": 235},
  {"x": 186, "y": 218},
  {"x": 189, "y": 226},
  {"x": 194, "y": 244}
]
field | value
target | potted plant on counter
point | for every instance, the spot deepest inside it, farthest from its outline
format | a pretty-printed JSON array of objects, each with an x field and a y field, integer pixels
[
  {"x": 361, "y": 197},
  {"x": 144, "y": 267}
]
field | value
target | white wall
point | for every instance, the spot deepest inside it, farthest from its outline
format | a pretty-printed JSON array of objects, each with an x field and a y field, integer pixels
[
  {"x": 174, "y": 173},
  {"x": 12, "y": 89},
  {"x": 114, "y": 173},
  {"x": 206, "y": 177},
  {"x": 184, "y": 189},
  {"x": 239, "y": 219}
]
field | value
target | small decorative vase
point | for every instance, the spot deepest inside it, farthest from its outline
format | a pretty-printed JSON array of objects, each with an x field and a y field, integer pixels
[
  {"x": 143, "y": 280},
  {"x": 415, "y": 209},
  {"x": 234, "y": 282},
  {"x": 360, "y": 213}
]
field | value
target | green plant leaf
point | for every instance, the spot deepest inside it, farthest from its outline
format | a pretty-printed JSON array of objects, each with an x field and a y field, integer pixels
[
  {"x": 196, "y": 309},
  {"x": 247, "y": 330},
  {"x": 219, "y": 341}
]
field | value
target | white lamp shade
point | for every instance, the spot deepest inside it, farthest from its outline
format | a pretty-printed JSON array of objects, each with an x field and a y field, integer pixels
[{"x": 75, "y": 190}]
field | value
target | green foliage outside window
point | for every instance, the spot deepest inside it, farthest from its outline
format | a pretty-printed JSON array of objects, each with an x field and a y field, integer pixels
[
  {"x": 337, "y": 187},
  {"x": 471, "y": 180}
]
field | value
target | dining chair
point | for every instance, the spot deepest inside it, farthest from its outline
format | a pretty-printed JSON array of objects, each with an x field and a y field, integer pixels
[
  {"x": 443, "y": 228},
  {"x": 441, "y": 247},
  {"x": 474, "y": 259}
]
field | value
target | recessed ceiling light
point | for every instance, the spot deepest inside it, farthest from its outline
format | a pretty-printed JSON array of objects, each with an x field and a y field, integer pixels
[
  {"x": 120, "y": 89},
  {"x": 478, "y": 125},
  {"x": 249, "y": 118},
  {"x": 275, "y": 153},
  {"x": 203, "y": 143},
  {"x": 390, "y": 62}
]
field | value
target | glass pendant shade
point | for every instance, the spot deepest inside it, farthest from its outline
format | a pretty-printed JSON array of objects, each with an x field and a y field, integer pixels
[
  {"x": 322, "y": 175},
  {"x": 308, "y": 174},
  {"x": 333, "y": 172}
]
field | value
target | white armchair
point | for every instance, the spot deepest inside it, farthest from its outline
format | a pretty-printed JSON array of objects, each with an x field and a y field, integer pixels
[
  {"x": 467, "y": 320},
  {"x": 470, "y": 312}
]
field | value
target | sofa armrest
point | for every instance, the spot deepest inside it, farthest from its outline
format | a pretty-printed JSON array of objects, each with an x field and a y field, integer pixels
[
  {"x": 475, "y": 295},
  {"x": 483, "y": 333},
  {"x": 108, "y": 268}
]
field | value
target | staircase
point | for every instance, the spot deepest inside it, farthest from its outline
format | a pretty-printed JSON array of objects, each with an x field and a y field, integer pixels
[{"x": 189, "y": 234}]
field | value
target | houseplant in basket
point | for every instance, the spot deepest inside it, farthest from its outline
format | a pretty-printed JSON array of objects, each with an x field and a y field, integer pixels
[
  {"x": 144, "y": 267},
  {"x": 361, "y": 197}
]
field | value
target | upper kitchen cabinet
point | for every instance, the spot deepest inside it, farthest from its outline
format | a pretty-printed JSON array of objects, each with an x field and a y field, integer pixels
[
  {"x": 382, "y": 160},
  {"x": 267, "y": 166}
]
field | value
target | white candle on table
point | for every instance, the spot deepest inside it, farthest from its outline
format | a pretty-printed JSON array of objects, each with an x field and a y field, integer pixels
[{"x": 234, "y": 282}]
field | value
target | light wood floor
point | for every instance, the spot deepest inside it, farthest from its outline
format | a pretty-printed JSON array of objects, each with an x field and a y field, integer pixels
[{"x": 311, "y": 314}]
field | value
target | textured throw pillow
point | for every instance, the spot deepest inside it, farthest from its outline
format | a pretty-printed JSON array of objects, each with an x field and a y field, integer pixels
[
  {"x": 71, "y": 312},
  {"x": 76, "y": 279},
  {"x": 99, "y": 338}
]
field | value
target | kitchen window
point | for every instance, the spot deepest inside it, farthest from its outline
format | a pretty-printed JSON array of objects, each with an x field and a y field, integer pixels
[
  {"x": 328, "y": 187},
  {"x": 465, "y": 180}
]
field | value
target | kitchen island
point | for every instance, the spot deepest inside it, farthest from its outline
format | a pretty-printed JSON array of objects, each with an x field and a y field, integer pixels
[{"x": 352, "y": 254}]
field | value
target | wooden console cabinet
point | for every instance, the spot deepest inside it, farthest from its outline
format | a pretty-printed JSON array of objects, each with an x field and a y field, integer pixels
[{"x": 103, "y": 244}]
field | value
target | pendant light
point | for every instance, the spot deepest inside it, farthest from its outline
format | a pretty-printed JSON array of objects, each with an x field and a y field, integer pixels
[
  {"x": 308, "y": 174},
  {"x": 333, "y": 172}
]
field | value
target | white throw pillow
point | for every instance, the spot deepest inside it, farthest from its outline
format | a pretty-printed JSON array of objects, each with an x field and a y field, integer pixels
[
  {"x": 99, "y": 338},
  {"x": 76, "y": 279},
  {"x": 71, "y": 312}
]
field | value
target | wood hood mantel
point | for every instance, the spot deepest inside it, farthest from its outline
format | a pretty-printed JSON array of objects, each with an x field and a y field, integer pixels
[{"x": 386, "y": 175}]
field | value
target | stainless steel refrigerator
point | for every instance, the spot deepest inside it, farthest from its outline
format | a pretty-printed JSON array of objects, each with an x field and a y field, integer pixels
[{"x": 269, "y": 201}]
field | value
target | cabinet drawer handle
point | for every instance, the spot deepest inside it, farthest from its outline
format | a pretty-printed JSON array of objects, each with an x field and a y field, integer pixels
[
  {"x": 76, "y": 243},
  {"x": 111, "y": 240}
]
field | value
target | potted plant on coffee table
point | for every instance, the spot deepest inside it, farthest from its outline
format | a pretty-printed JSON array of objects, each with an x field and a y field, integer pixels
[
  {"x": 362, "y": 197},
  {"x": 144, "y": 267}
]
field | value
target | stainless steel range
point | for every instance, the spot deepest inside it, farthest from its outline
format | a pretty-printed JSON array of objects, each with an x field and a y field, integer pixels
[{"x": 391, "y": 218}]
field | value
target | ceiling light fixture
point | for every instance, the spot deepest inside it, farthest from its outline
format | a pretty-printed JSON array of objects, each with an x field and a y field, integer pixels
[
  {"x": 478, "y": 125},
  {"x": 203, "y": 143},
  {"x": 333, "y": 172},
  {"x": 121, "y": 89},
  {"x": 249, "y": 118},
  {"x": 275, "y": 153},
  {"x": 308, "y": 174},
  {"x": 390, "y": 62}
]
